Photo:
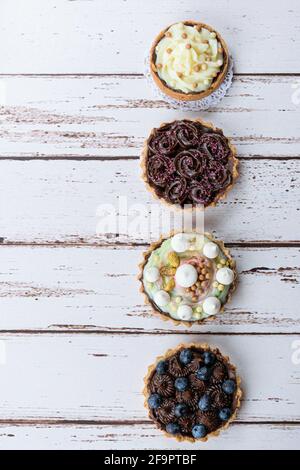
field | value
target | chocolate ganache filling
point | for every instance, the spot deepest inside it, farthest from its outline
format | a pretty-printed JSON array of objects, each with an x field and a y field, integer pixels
[
  {"x": 188, "y": 163},
  {"x": 192, "y": 392}
]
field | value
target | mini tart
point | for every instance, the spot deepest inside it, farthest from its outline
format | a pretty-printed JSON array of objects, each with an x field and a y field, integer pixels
[
  {"x": 187, "y": 277},
  {"x": 189, "y": 163},
  {"x": 192, "y": 392},
  {"x": 177, "y": 94}
]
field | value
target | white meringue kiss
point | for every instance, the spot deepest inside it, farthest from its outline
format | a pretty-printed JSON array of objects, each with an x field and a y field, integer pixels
[
  {"x": 184, "y": 312},
  {"x": 161, "y": 298},
  {"x": 211, "y": 305},
  {"x": 211, "y": 250},
  {"x": 225, "y": 276},
  {"x": 186, "y": 275},
  {"x": 152, "y": 274},
  {"x": 180, "y": 243}
]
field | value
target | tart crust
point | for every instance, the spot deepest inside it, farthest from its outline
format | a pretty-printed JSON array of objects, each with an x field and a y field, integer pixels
[
  {"x": 165, "y": 316},
  {"x": 221, "y": 194},
  {"x": 171, "y": 352},
  {"x": 179, "y": 95}
]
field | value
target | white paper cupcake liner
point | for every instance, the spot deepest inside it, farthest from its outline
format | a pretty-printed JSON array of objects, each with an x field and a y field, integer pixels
[{"x": 200, "y": 105}]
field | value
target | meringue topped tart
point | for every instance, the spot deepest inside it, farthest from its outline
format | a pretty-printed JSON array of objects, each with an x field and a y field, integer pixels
[
  {"x": 189, "y": 60},
  {"x": 188, "y": 277}
]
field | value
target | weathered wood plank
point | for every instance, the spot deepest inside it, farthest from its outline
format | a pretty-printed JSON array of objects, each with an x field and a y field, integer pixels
[
  {"x": 113, "y": 35},
  {"x": 111, "y": 116},
  {"x": 92, "y": 289},
  {"x": 144, "y": 436},
  {"x": 99, "y": 377},
  {"x": 59, "y": 202}
]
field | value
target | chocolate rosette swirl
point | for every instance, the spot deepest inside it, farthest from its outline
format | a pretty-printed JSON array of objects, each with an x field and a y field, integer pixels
[
  {"x": 186, "y": 424},
  {"x": 166, "y": 413},
  {"x": 160, "y": 169},
  {"x": 197, "y": 384},
  {"x": 209, "y": 419},
  {"x": 163, "y": 385},
  {"x": 175, "y": 191},
  {"x": 200, "y": 192},
  {"x": 164, "y": 142},
  {"x": 188, "y": 397},
  {"x": 189, "y": 162},
  {"x": 186, "y": 133},
  {"x": 217, "y": 174},
  {"x": 219, "y": 398},
  {"x": 219, "y": 372},
  {"x": 176, "y": 368},
  {"x": 216, "y": 145}
]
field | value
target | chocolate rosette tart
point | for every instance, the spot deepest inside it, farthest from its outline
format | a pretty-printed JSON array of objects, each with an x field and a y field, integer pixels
[
  {"x": 186, "y": 278},
  {"x": 189, "y": 163},
  {"x": 189, "y": 60},
  {"x": 202, "y": 402}
]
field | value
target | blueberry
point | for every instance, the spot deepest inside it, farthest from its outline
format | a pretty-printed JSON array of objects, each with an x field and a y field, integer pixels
[
  {"x": 181, "y": 409},
  {"x": 186, "y": 356},
  {"x": 172, "y": 428},
  {"x": 208, "y": 358},
  {"x": 198, "y": 431},
  {"x": 161, "y": 367},
  {"x": 154, "y": 401},
  {"x": 225, "y": 414},
  {"x": 229, "y": 386},
  {"x": 204, "y": 403},
  {"x": 203, "y": 373},
  {"x": 181, "y": 384}
]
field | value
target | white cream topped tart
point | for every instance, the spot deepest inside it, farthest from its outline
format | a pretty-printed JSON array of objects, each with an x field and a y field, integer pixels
[
  {"x": 189, "y": 58},
  {"x": 188, "y": 276}
]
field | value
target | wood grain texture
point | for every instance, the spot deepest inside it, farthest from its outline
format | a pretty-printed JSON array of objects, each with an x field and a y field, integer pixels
[
  {"x": 93, "y": 289},
  {"x": 99, "y": 377},
  {"x": 113, "y": 35},
  {"x": 144, "y": 436},
  {"x": 47, "y": 202},
  {"x": 110, "y": 116}
]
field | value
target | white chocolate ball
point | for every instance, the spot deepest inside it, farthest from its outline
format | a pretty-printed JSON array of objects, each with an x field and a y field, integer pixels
[
  {"x": 152, "y": 274},
  {"x": 225, "y": 276},
  {"x": 211, "y": 305},
  {"x": 186, "y": 275},
  {"x": 180, "y": 243},
  {"x": 211, "y": 250},
  {"x": 161, "y": 298},
  {"x": 185, "y": 312}
]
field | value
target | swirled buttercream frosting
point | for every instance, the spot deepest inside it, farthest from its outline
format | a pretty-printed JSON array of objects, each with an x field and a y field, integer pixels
[{"x": 189, "y": 57}]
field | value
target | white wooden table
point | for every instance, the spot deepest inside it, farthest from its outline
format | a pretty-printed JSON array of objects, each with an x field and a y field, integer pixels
[{"x": 76, "y": 338}]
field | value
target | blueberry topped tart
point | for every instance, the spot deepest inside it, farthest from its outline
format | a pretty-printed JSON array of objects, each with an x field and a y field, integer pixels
[
  {"x": 187, "y": 277},
  {"x": 192, "y": 392},
  {"x": 189, "y": 163},
  {"x": 189, "y": 60}
]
